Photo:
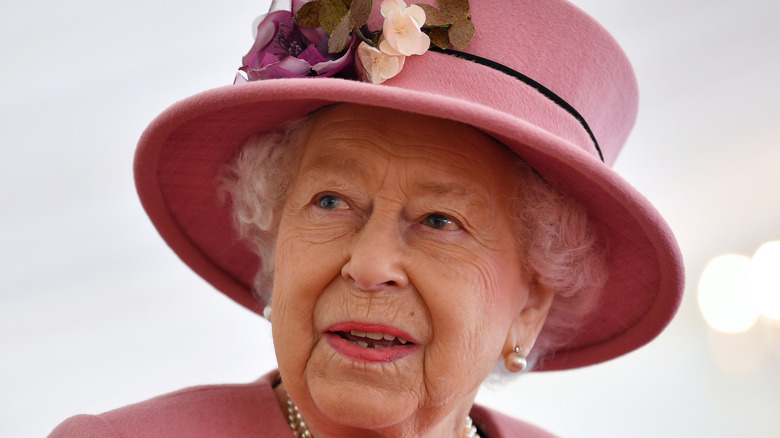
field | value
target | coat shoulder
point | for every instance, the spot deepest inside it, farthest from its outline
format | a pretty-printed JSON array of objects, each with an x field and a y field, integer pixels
[
  {"x": 84, "y": 426},
  {"x": 241, "y": 410}
]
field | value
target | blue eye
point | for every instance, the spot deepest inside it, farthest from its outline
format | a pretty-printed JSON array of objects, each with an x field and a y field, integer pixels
[
  {"x": 439, "y": 222},
  {"x": 329, "y": 202}
]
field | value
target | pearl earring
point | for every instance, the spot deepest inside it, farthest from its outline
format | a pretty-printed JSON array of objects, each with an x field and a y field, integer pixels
[
  {"x": 267, "y": 312},
  {"x": 515, "y": 361}
]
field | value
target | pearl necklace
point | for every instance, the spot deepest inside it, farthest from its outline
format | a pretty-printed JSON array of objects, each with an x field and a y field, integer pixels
[{"x": 301, "y": 430}]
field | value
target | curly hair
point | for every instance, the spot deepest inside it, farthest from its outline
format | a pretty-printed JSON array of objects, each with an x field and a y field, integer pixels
[
  {"x": 258, "y": 182},
  {"x": 561, "y": 248}
]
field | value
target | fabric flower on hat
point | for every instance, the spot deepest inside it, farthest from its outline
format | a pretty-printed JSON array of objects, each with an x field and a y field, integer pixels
[
  {"x": 401, "y": 37},
  {"x": 283, "y": 50},
  {"x": 401, "y": 29},
  {"x": 377, "y": 66},
  {"x": 320, "y": 38}
]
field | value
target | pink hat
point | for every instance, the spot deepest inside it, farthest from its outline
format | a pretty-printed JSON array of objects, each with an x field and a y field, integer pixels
[{"x": 541, "y": 77}]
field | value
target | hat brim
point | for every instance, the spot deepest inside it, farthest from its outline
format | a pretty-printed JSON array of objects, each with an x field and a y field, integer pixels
[{"x": 182, "y": 151}]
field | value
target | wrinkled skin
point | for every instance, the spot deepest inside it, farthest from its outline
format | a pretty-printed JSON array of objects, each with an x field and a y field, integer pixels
[{"x": 400, "y": 220}]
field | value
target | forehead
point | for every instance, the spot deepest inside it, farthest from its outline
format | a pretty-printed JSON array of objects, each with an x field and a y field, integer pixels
[{"x": 362, "y": 140}]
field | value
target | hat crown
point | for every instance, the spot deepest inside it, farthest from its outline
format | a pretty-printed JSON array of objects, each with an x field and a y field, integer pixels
[{"x": 555, "y": 44}]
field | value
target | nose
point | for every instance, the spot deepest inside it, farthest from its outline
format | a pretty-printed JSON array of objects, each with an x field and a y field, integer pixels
[{"x": 376, "y": 258}]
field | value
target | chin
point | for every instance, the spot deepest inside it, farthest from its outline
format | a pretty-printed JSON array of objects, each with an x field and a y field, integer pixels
[{"x": 361, "y": 406}]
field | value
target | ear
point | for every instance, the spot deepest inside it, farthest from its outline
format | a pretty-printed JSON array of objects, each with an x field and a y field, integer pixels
[{"x": 530, "y": 319}]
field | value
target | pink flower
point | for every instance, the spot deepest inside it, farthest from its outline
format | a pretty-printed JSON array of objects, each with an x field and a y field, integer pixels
[
  {"x": 401, "y": 34},
  {"x": 283, "y": 50},
  {"x": 377, "y": 66}
]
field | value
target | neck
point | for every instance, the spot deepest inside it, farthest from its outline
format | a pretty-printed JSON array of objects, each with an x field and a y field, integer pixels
[{"x": 461, "y": 425}]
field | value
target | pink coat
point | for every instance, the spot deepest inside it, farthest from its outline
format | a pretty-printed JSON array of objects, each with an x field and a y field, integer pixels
[{"x": 235, "y": 411}]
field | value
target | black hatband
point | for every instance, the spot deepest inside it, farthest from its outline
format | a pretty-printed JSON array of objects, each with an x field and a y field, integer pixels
[{"x": 528, "y": 81}]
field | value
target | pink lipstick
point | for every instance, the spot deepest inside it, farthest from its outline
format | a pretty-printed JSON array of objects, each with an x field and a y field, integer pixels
[{"x": 366, "y": 342}]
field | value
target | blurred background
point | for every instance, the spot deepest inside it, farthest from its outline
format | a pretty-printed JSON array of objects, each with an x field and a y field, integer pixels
[{"x": 96, "y": 312}]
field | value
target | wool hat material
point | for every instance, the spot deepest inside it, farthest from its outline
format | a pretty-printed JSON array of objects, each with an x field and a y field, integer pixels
[{"x": 539, "y": 76}]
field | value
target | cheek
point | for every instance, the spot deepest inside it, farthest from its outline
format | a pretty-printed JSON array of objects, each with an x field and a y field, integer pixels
[
  {"x": 470, "y": 323},
  {"x": 472, "y": 305},
  {"x": 301, "y": 261},
  {"x": 303, "y": 270},
  {"x": 478, "y": 283},
  {"x": 307, "y": 258}
]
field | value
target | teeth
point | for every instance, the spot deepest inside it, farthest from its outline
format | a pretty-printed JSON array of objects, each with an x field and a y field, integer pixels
[{"x": 376, "y": 336}]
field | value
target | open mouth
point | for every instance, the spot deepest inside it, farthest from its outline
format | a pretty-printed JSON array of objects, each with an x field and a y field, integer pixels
[{"x": 375, "y": 340}]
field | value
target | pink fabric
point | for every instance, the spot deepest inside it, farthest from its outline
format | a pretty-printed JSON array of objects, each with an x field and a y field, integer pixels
[{"x": 235, "y": 411}]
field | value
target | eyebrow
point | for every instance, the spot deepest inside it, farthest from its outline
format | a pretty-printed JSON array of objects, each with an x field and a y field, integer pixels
[
  {"x": 354, "y": 169},
  {"x": 442, "y": 189},
  {"x": 328, "y": 163},
  {"x": 472, "y": 198}
]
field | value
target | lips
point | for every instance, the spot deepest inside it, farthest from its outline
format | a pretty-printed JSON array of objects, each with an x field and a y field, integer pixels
[
  {"x": 372, "y": 339},
  {"x": 363, "y": 343}
]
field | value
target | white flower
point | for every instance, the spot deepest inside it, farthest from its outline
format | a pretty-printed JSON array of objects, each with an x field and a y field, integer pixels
[
  {"x": 401, "y": 34},
  {"x": 378, "y": 66}
]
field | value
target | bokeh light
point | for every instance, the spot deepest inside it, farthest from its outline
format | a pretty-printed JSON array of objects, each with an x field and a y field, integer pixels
[
  {"x": 723, "y": 298},
  {"x": 764, "y": 279}
]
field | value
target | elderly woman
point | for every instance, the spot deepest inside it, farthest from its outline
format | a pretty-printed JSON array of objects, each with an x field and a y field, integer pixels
[{"x": 415, "y": 197}]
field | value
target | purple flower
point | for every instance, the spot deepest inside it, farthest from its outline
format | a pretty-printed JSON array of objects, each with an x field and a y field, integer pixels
[{"x": 283, "y": 50}]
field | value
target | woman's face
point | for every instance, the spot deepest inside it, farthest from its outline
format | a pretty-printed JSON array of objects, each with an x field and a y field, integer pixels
[{"x": 397, "y": 284}]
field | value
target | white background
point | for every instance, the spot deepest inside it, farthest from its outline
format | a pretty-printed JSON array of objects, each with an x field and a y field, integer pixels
[{"x": 96, "y": 312}]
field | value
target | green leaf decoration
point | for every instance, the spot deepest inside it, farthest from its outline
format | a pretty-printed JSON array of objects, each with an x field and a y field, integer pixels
[
  {"x": 360, "y": 12},
  {"x": 433, "y": 16},
  {"x": 461, "y": 33},
  {"x": 456, "y": 8},
  {"x": 308, "y": 15},
  {"x": 340, "y": 35},
  {"x": 331, "y": 13},
  {"x": 439, "y": 37},
  {"x": 450, "y": 25}
]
